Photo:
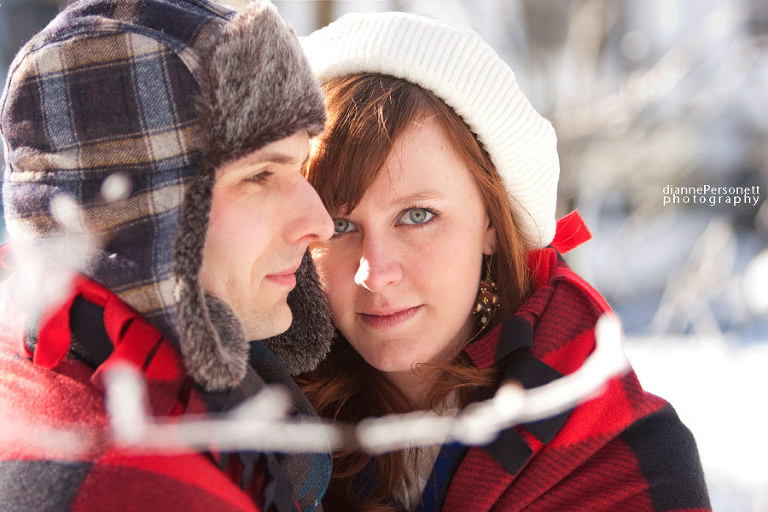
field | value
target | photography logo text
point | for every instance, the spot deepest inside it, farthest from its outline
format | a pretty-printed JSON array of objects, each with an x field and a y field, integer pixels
[{"x": 711, "y": 195}]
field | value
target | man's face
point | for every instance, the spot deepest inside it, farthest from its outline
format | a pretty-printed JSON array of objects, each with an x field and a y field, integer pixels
[{"x": 264, "y": 214}]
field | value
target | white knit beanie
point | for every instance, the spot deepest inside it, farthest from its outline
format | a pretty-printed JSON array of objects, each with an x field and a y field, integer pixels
[{"x": 457, "y": 66}]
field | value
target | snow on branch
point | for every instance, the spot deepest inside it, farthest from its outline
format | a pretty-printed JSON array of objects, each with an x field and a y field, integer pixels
[
  {"x": 259, "y": 424},
  {"x": 262, "y": 423},
  {"x": 481, "y": 422},
  {"x": 69, "y": 242}
]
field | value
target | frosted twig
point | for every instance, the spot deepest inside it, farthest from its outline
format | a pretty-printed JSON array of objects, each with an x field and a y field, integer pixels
[
  {"x": 258, "y": 424},
  {"x": 481, "y": 422},
  {"x": 262, "y": 424},
  {"x": 66, "y": 443},
  {"x": 69, "y": 242}
]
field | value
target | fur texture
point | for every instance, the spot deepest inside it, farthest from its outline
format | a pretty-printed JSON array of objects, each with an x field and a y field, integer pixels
[
  {"x": 308, "y": 340},
  {"x": 256, "y": 88},
  {"x": 215, "y": 363}
]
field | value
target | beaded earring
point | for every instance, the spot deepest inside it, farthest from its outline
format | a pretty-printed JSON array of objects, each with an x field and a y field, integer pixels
[{"x": 487, "y": 300}]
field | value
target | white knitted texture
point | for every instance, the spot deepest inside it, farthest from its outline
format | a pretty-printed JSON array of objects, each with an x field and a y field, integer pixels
[{"x": 460, "y": 68}]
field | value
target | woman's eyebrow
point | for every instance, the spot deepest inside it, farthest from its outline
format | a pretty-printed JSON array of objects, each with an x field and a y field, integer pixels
[{"x": 423, "y": 195}]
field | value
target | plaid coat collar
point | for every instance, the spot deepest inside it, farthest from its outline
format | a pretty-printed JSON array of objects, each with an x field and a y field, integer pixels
[
  {"x": 550, "y": 336},
  {"x": 96, "y": 327},
  {"x": 533, "y": 348}
]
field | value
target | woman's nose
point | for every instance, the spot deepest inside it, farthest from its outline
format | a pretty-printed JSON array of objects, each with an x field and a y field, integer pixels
[{"x": 378, "y": 267}]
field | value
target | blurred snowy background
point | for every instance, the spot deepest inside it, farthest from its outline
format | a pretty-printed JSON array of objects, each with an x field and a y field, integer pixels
[{"x": 644, "y": 94}]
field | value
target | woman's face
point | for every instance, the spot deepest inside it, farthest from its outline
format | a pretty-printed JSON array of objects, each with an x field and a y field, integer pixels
[{"x": 402, "y": 269}]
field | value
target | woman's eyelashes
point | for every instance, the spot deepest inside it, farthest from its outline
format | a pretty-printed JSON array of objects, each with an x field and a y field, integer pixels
[
  {"x": 413, "y": 217},
  {"x": 341, "y": 226},
  {"x": 416, "y": 215}
]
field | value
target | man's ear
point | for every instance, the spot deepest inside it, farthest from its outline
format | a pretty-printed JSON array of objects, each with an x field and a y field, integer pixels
[{"x": 489, "y": 239}]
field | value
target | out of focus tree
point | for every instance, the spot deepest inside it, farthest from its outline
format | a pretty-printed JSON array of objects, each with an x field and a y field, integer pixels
[{"x": 644, "y": 94}]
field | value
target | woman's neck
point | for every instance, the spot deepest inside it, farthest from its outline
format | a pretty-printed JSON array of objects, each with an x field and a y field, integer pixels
[{"x": 415, "y": 385}]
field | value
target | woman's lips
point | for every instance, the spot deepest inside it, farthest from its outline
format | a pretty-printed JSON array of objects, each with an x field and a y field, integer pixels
[{"x": 388, "y": 320}]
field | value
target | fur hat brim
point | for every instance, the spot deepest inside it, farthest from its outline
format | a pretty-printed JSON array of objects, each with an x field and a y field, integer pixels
[{"x": 256, "y": 88}]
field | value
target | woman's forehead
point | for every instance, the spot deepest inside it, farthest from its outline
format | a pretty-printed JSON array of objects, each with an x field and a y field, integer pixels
[{"x": 422, "y": 166}]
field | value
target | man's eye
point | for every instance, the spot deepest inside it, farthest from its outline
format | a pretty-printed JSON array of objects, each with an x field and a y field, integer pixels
[
  {"x": 416, "y": 216},
  {"x": 342, "y": 226},
  {"x": 260, "y": 177}
]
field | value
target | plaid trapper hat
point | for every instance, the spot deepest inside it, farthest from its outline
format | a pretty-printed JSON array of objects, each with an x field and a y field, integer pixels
[{"x": 162, "y": 92}]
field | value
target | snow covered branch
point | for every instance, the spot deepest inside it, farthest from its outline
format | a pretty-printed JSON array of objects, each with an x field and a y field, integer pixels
[
  {"x": 259, "y": 424},
  {"x": 481, "y": 422},
  {"x": 263, "y": 424}
]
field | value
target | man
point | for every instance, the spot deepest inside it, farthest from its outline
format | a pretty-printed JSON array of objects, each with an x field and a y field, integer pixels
[{"x": 204, "y": 115}]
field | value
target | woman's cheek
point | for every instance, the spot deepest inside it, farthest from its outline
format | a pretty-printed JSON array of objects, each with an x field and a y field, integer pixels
[
  {"x": 330, "y": 269},
  {"x": 318, "y": 259}
]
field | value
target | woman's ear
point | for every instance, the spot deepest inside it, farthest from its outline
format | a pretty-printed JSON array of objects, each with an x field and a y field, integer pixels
[{"x": 489, "y": 239}]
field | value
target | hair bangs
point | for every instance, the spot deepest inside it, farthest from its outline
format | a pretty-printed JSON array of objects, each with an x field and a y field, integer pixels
[{"x": 366, "y": 115}]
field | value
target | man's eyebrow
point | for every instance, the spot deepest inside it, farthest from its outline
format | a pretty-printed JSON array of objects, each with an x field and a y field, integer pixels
[{"x": 276, "y": 157}]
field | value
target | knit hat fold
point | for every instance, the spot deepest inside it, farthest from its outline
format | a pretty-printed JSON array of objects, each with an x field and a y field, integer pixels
[{"x": 466, "y": 73}]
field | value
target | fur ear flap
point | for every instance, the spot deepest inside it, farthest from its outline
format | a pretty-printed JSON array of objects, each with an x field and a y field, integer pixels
[
  {"x": 213, "y": 343},
  {"x": 217, "y": 358},
  {"x": 211, "y": 337},
  {"x": 308, "y": 340},
  {"x": 256, "y": 87}
]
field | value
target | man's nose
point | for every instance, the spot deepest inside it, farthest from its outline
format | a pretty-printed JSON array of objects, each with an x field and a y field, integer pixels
[{"x": 311, "y": 222}]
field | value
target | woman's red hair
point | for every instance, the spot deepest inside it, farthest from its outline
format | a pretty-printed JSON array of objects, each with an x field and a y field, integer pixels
[{"x": 367, "y": 114}]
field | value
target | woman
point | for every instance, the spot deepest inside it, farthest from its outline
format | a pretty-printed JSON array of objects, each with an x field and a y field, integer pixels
[{"x": 444, "y": 279}]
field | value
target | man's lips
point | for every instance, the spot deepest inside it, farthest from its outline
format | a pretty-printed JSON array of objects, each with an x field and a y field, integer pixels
[
  {"x": 285, "y": 277},
  {"x": 386, "y": 319}
]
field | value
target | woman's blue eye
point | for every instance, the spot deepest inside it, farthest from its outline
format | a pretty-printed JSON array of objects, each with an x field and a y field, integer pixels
[
  {"x": 342, "y": 226},
  {"x": 416, "y": 216}
]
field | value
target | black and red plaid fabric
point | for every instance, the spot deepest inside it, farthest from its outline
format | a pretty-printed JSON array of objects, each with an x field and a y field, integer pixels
[
  {"x": 623, "y": 451},
  {"x": 55, "y": 453}
]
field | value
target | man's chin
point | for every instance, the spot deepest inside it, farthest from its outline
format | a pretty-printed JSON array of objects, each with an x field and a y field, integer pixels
[{"x": 271, "y": 324}]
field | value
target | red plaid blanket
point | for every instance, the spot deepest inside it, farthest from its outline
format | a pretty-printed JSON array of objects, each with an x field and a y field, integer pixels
[{"x": 625, "y": 450}]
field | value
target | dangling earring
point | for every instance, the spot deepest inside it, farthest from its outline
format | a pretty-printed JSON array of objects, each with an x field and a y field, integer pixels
[{"x": 487, "y": 300}]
